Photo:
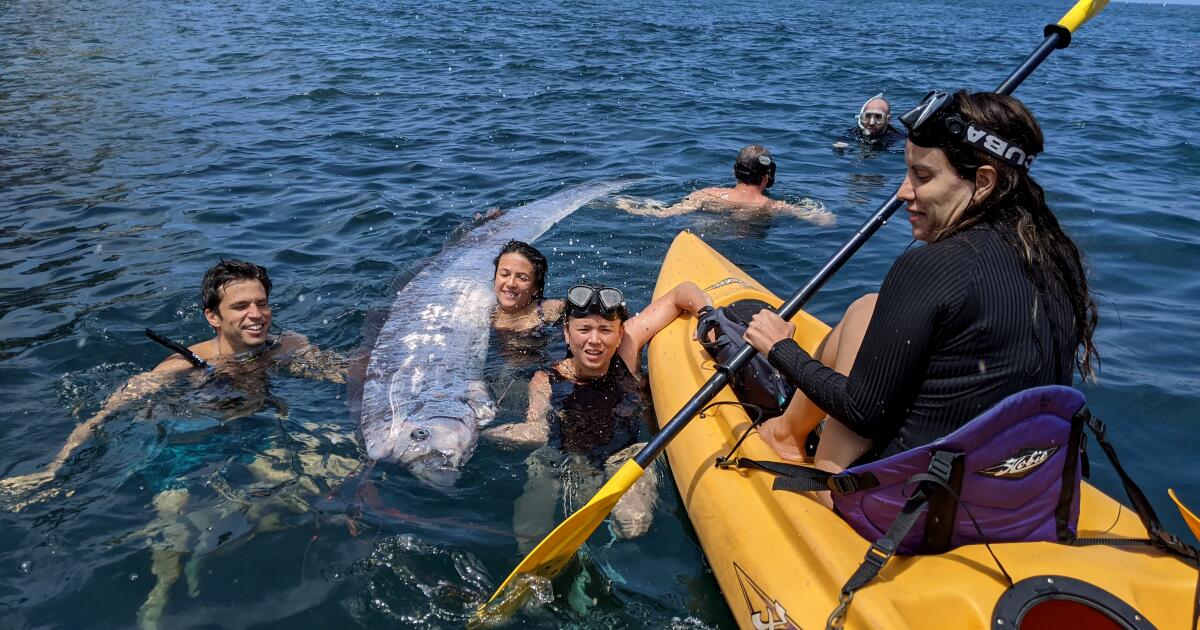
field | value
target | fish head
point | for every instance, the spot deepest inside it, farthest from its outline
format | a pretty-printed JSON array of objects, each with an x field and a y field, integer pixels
[{"x": 435, "y": 439}]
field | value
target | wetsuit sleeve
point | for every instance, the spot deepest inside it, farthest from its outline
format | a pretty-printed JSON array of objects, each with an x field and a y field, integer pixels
[{"x": 891, "y": 363}]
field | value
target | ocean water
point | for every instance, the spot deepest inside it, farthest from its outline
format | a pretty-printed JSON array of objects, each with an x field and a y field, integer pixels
[{"x": 340, "y": 144}]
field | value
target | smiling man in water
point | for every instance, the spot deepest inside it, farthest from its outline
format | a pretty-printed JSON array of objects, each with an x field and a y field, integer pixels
[{"x": 234, "y": 295}]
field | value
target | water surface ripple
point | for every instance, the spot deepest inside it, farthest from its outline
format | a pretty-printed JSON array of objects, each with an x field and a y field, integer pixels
[{"x": 342, "y": 143}]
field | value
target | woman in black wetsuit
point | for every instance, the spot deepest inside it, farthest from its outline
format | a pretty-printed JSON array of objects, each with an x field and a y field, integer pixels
[
  {"x": 995, "y": 302},
  {"x": 586, "y": 409}
]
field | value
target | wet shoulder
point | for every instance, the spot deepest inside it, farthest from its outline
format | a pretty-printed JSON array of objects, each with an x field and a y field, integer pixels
[{"x": 552, "y": 311}]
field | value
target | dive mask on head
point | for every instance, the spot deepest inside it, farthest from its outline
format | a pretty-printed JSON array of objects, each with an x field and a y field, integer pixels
[
  {"x": 872, "y": 116},
  {"x": 934, "y": 124},
  {"x": 758, "y": 166},
  {"x": 589, "y": 299}
]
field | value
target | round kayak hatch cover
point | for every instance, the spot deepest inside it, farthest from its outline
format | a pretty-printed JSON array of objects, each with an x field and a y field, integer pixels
[{"x": 1055, "y": 602}]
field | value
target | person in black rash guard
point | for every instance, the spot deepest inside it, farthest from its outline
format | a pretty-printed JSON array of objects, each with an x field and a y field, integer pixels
[
  {"x": 996, "y": 302},
  {"x": 585, "y": 410}
]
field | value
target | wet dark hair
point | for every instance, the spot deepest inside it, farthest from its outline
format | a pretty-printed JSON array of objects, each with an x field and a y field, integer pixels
[
  {"x": 535, "y": 258},
  {"x": 227, "y": 271},
  {"x": 1017, "y": 210},
  {"x": 748, "y": 169}
]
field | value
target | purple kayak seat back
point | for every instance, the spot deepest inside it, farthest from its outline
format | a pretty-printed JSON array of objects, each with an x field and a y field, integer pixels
[{"x": 1014, "y": 467}]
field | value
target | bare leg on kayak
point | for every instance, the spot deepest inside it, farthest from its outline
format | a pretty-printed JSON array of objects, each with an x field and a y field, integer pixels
[{"x": 787, "y": 433}]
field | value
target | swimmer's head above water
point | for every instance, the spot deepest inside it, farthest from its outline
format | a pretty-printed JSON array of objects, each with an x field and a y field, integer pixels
[
  {"x": 234, "y": 295},
  {"x": 754, "y": 166},
  {"x": 594, "y": 327},
  {"x": 520, "y": 276},
  {"x": 874, "y": 115}
]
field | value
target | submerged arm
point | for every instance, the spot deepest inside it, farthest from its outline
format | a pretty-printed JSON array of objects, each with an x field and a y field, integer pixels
[
  {"x": 305, "y": 360},
  {"x": 535, "y": 430},
  {"x": 653, "y": 208},
  {"x": 135, "y": 388},
  {"x": 812, "y": 211}
]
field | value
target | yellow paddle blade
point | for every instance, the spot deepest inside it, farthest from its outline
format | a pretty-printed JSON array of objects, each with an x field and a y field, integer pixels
[
  {"x": 557, "y": 549},
  {"x": 1193, "y": 521},
  {"x": 1083, "y": 11}
]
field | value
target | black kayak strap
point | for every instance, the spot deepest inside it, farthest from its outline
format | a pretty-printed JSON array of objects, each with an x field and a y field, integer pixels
[
  {"x": 1159, "y": 536},
  {"x": 794, "y": 478},
  {"x": 881, "y": 551}
]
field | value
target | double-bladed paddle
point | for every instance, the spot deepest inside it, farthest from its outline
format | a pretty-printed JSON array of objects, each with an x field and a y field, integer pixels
[{"x": 553, "y": 553}]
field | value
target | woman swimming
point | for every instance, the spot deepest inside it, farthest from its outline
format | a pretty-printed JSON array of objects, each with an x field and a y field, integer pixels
[
  {"x": 519, "y": 282},
  {"x": 585, "y": 410},
  {"x": 996, "y": 302}
]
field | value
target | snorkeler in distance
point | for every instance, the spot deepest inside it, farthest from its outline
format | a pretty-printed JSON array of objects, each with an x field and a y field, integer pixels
[
  {"x": 584, "y": 412},
  {"x": 874, "y": 127},
  {"x": 519, "y": 282},
  {"x": 754, "y": 170},
  {"x": 234, "y": 295}
]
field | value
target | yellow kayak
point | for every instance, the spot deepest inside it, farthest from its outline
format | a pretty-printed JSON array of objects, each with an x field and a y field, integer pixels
[{"x": 781, "y": 558}]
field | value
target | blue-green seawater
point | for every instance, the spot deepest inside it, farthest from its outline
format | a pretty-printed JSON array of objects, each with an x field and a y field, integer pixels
[{"x": 342, "y": 143}]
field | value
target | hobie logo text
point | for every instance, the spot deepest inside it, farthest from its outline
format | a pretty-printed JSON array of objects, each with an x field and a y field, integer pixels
[{"x": 1021, "y": 464}]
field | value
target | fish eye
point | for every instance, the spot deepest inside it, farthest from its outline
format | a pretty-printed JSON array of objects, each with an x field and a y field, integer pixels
[{"x": 419, "y": 435}]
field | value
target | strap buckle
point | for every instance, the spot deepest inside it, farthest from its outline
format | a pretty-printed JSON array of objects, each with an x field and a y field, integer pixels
[
  {"x": 842, "y": 484},
  {"x": 880, "y": 552},
  {"x": 942, "y": 465}
]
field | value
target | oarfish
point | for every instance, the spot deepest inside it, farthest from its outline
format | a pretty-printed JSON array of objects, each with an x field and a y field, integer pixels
[{"x": 423, "y": 397}]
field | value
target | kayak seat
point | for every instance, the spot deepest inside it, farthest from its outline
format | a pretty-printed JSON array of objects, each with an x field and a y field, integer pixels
[{"x": 1014, "y": 478}]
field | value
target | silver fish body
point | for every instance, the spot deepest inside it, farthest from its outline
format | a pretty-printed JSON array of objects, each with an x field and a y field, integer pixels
[{"x": 423, "y": 397}]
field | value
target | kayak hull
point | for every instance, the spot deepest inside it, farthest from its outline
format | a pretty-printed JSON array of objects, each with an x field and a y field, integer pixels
[{"x": 780, "y": 558}]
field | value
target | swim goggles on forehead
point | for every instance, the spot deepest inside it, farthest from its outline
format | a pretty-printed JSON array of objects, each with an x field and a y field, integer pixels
[
  {"x": 933, "y": 123},
  {"x": 595, "y": 299}
]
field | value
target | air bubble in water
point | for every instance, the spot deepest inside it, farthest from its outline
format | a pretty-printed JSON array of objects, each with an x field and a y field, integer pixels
[
  {"x": 300, "y": 298},
  {"x": 25, "y": 567}
]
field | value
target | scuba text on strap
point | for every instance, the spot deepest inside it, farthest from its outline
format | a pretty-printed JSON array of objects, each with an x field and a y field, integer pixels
[{"x": 934, "y": 123}]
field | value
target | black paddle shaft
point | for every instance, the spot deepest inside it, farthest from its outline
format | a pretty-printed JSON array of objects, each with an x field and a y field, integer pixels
[{"x": 1056, "y": 37}]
